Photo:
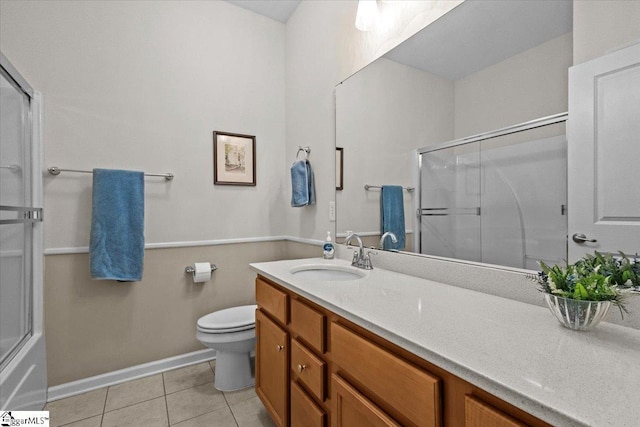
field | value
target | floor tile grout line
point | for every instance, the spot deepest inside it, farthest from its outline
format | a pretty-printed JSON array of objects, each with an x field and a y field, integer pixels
[
  {"x": 81, "y": 419},
  {"x": 230, "y": 410},
  {"x": 104, "y": 407},
  {"x": 133, "y": 404},
  {"x": 166, "y": 404},
  {"x": 201, "y": 415}
]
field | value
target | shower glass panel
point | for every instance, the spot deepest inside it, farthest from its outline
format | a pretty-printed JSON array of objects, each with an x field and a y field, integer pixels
[
  {"x": 517, "y": 183},
  {"x": 450, "y": 203},
  {"x": 15, "y": 233}
]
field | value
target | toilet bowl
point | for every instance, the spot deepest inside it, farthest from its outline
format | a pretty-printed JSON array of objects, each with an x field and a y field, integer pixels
[{"x": 232, "y": 333}]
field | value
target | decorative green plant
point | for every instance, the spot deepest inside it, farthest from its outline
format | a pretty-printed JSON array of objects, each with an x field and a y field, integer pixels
[{"x": 597, "y": 277}]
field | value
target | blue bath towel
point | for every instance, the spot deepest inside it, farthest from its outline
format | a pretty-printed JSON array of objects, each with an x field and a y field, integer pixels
[
  {"x": 303, "y": 192},
  {"x": 392, "y": 215},
  {"x": 117, "y": 225}
]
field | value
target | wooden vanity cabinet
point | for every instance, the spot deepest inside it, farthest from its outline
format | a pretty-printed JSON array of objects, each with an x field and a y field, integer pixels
[
  {"x": 480, "y": 414},
  {"x": 272, "y": 352},
  {"x": 317, "y": 369},
  {"x": 408, "y": 393},
  {"x": 352, "y": 408},
  {"x": 304, "y": 411}
]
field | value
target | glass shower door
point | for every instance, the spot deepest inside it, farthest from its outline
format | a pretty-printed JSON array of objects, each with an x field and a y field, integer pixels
[
  {"x": 23, "y": 375},
  {"x": 16, "y": 219},
  {"x": 450, "y": 203}
]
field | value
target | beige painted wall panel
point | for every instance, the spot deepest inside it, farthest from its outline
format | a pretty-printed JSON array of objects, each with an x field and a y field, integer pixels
[
  {"x": 142, "y": 85},
  {"x": 602, "y": 26},
  {"x": 93, "y": 327},
  {"x": 525, "y": 87}
]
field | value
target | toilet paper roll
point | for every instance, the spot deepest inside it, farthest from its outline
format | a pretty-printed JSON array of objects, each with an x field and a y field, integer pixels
[{"x": 202, "y": 272}]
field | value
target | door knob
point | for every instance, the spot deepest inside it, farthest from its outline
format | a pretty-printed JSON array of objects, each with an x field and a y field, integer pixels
[
  {"x": 279, "y": 347},
  {"x": 302, "y": 368},
  {"x": 581, "y": 238}
]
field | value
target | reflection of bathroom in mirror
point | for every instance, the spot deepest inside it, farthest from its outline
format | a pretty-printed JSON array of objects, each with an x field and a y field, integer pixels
[{"x": 499, "y": 199}]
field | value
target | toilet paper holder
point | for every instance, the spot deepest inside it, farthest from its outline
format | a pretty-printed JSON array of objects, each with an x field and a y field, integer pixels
[{"x": 190, "y": 270}]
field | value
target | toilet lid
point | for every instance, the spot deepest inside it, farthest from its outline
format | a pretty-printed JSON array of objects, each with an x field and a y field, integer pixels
[{"x": 230, "y": 319}]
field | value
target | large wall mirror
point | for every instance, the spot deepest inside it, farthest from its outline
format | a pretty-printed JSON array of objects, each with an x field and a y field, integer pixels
[{"x": 484, "y": 66}]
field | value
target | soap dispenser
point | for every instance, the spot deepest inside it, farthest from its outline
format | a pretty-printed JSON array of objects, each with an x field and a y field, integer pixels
[{"x": 327, "y": 248}]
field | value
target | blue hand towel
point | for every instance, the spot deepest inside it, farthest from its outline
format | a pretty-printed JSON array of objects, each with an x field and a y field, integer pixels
[
  {"x": 116, "y": 246},
  {"x": 392, "y": 215},
  {"x": 302, "y": 189}
]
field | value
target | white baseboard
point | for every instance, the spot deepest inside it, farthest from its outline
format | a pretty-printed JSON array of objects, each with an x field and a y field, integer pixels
[{"x": 134, "y": 372}]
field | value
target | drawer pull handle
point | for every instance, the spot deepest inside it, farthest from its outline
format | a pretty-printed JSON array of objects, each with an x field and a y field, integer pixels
[
  {"x": 302, "y": 368},
  {"x": 279, "y": 347}
]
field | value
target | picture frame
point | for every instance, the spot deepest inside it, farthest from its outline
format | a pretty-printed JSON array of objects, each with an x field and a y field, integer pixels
[
  {"x": 234, "y": 159},
  {"x": 339, "y": 168}
]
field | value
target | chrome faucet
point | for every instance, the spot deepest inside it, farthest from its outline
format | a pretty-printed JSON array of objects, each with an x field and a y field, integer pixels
[
  {"x": 394, "y": 239},
  {"x": 360, "y": 260}
]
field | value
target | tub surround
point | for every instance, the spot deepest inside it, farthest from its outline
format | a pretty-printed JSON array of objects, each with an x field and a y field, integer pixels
[{"x": 513, "y": 350}]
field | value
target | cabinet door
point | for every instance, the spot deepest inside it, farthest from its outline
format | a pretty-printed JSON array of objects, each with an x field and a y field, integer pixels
[
  {"x": 479, "y": 414},
  {"x": 272, "y": 367},
  {"x": 350, "y": 408},
  {"x": 304, "y": 411}
]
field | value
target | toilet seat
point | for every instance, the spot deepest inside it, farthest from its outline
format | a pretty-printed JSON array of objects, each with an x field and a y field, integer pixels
[
  {"x": 225, "y": 331},
  {"x": 234, "y": 319}
]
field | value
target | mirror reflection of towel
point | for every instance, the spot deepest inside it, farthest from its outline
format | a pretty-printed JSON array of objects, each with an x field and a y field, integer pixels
[
  {"x": 116, "y": 248},
  {"x": 392, "y": 215},
  {"x": 302, "y": 188}
]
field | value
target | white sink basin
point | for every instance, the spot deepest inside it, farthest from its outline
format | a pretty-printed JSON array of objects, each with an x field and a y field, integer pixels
[{"x": 324, "y": 272}]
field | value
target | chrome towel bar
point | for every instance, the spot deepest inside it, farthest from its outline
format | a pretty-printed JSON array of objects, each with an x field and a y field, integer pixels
[
  {"x": 54, "y": 170},
  {"x": 369, "y": 187}
]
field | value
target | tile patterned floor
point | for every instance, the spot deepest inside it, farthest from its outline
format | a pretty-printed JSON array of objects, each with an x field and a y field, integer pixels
[{"x": 183, "y": 398}]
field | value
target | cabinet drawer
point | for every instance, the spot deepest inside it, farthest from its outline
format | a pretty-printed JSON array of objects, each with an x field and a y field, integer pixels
[
  {"x": 272, "y": 300},
  {"x": 408, "y": 393},
  {"x": 308, "y": 324},
  {"x": 350, "y": 408},
  {"x": 480, "y": 414},
  {"x": 308, "y": 369},
  {"x": 304, "y": 411}
]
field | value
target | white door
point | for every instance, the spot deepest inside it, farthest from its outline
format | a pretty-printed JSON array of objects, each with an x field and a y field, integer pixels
[
  {"x": 23, "y": 377},
  {"x": 603, "y": 134}
]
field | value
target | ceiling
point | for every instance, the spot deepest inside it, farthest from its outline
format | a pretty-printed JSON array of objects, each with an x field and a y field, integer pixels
[
  {"x": 477, "y": 34},
  {"x": 473, "y": 36},
  {"x": 280, "y": 10}
]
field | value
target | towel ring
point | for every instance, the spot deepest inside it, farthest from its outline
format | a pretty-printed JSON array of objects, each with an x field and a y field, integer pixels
[{"x": 306, "y": 151}]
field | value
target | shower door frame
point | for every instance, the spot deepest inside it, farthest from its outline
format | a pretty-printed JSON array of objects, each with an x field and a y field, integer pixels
[
  {"x": 521, "y": 127},
  {"x": 23, "y": 380}
]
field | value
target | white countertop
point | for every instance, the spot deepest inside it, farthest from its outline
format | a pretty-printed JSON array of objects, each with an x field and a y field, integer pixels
[{"x": 516, "y": 351}]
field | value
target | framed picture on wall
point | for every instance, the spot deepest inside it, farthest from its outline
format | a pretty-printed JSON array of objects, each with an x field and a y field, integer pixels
[
  {"x": 339, "y": 168},
  {"x": 234, "y": 159}
]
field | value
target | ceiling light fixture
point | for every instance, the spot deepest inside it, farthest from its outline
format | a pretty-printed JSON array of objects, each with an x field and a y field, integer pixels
[{"x": 367, "y": 15}]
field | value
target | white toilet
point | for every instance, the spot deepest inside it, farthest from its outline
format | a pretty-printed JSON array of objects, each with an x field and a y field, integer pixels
[{"x": 232, "y": 333}]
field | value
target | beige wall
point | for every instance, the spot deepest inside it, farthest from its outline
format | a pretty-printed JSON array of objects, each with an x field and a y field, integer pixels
[
  {"x": 602, "y": 26},
  {"x": 94, "y": 327},
  {"x": 323, "y": 48},
  {"x": 379, "y": 129},
  {"x": 525, "y": 87},
  {"x": 142, "y": 85}
]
